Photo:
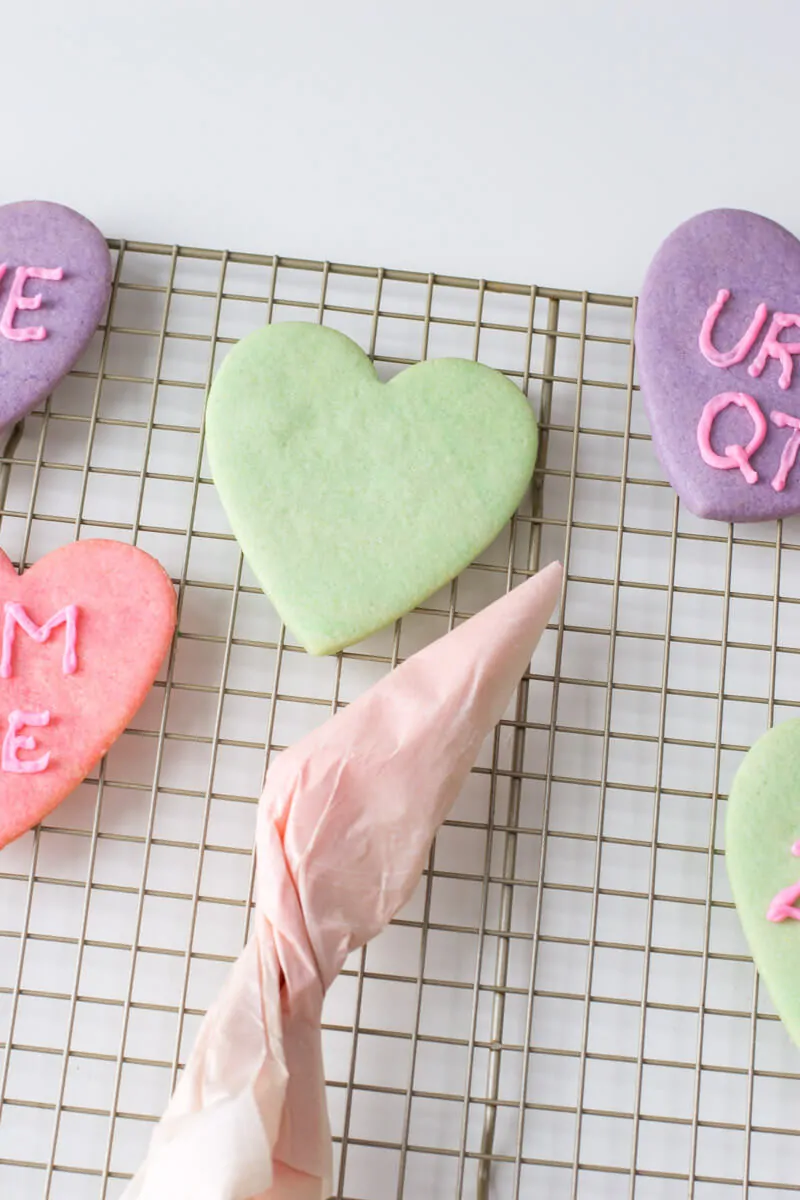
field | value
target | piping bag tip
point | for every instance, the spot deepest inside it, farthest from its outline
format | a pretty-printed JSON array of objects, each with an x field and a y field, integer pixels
[{"x": 345, "y": 825}]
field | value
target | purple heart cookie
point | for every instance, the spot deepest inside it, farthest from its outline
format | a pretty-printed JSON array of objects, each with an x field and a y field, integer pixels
[
  {"x": 719, "y": 369},
  {"x": 55, "y": 277}
]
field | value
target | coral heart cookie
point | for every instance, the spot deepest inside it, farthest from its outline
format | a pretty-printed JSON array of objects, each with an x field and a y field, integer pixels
[
  {"x": 84, "y": 633},
  {"x": 55, "y": 276},
  {"x": 717, "y": 364},
  {"x": 354, "y": 500},
  {"x": 762, "y": 838}
]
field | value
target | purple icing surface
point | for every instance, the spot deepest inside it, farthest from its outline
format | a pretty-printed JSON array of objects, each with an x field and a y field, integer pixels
[
  {"x": 36, "y": 233},
  {"x": 756, "y": 260}
]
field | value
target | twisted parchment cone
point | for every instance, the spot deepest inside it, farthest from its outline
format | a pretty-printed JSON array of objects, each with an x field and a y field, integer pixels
[{"x": 344, "y": 828}]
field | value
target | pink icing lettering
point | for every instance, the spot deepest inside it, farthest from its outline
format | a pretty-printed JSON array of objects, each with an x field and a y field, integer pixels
[
  {"x": 728, "y": 358},
  {"x": 18, "y": 303},
  {"x": 734, "y": 456},
  {"x": 789, "y": 454},
  {"x": 13, "y": 743},
  {"x": 772, "y": 348},
  {"x": 15, "y": 614},
  {"x": 782, "y": 906}
]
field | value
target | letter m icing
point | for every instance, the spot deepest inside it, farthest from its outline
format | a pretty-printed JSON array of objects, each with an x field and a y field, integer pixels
[{"x": 16, "y": 615}]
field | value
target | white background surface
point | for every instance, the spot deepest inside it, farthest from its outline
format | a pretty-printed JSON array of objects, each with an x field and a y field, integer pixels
[{"x": 549, "y": 142}]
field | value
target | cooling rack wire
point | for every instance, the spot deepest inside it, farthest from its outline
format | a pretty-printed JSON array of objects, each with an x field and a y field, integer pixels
[{"x": 566, "y": 1007}]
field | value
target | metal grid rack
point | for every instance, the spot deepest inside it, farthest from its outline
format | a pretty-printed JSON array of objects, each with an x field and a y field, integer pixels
[{"x": 566, "y": 1008}]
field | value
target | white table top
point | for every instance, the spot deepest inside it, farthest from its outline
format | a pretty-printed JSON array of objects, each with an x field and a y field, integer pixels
[{"x": 548, "y": 142}]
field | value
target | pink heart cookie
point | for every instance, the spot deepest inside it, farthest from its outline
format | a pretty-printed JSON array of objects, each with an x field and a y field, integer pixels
[{"x": 83, "y": 634}]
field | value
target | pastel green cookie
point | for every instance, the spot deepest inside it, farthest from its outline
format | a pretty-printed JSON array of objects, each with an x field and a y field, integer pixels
[
  {"x": 761, "y": 833},
  {"x": 354, "y": 500}
]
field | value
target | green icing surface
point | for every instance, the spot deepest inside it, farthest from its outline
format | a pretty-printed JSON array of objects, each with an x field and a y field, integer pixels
[
  {"x": 354, "y": 500},
  {"x": 763, "y": 822}
]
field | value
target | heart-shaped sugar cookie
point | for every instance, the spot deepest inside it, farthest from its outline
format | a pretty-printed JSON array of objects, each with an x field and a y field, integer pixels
[
  {"x": 354, "y": 500},
  {"x": 84, "y": 632},
  {"x": 762, "y": 840},
  {"x": 717, "y": 348},
  {"x": 55, "y": 277}
]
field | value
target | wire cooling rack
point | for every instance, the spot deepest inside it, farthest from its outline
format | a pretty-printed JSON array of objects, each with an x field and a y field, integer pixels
[{"x": 566, "y": 1008}]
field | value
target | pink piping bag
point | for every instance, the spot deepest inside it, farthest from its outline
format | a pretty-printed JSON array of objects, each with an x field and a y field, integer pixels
[{"x": 344, "y": 828}]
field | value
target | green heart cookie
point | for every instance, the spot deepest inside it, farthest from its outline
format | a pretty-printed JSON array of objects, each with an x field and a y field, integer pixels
[
  {"x": 762, "y": 827},
  {"x": 354, "y": 500}
]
